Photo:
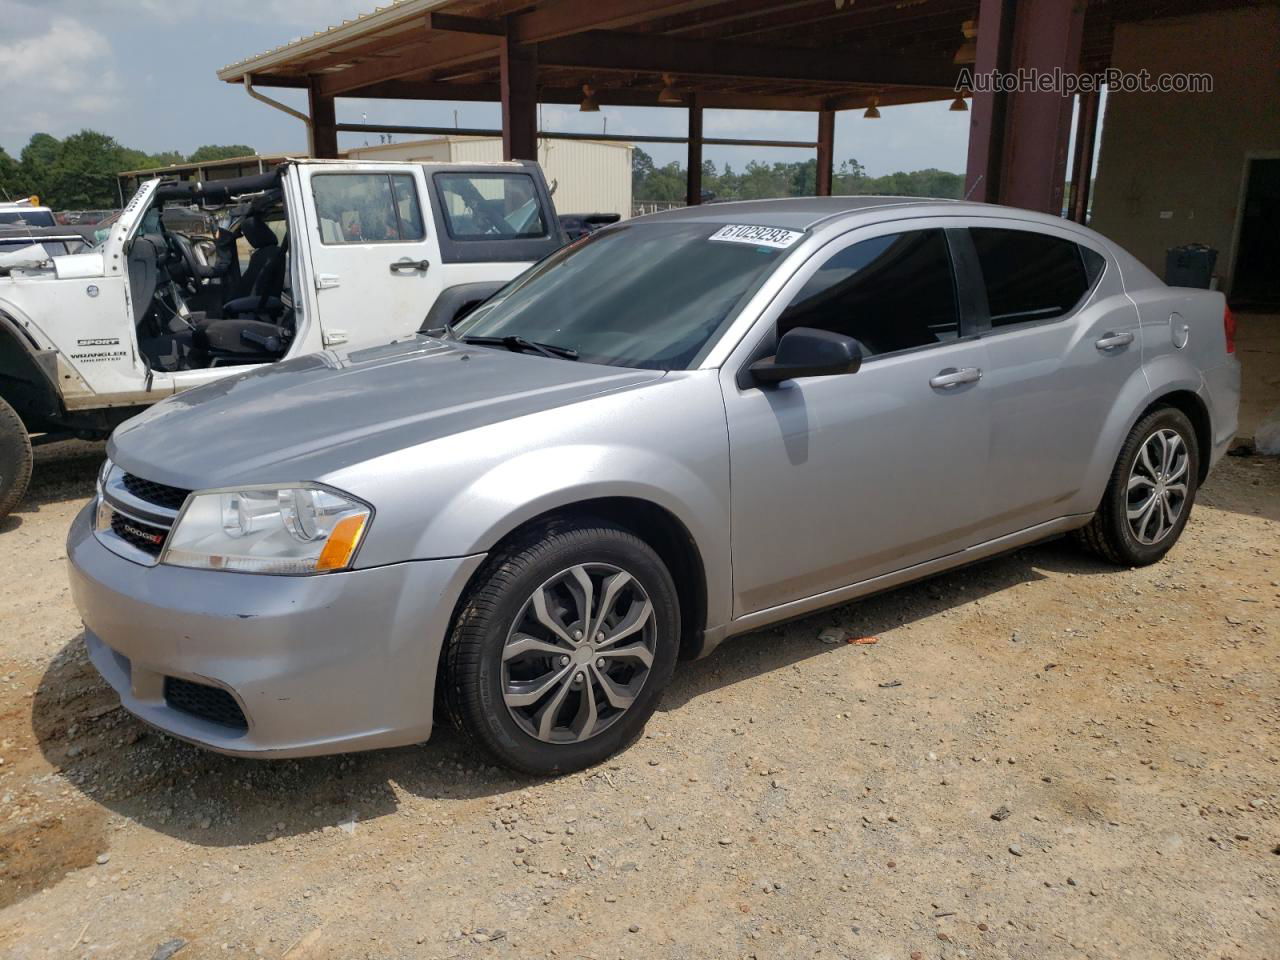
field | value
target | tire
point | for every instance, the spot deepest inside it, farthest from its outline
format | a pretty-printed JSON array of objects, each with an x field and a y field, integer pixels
[
  {"x": 15, "y": 459},
  {"x": 516, "y": 709},
  {"x": 1138, "y": 541}
]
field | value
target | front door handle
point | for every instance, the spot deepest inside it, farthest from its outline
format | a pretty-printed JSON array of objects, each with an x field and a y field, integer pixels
[
  {"x": 1113, "y": 340},
  {"x": 951, "y": 377},
  {"x": 399, "y": 265}
]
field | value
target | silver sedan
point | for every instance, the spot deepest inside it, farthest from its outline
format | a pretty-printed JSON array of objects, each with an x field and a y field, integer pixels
[{"x": 681, "y": 428}]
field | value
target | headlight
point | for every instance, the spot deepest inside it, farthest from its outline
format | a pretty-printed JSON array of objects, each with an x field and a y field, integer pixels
[
  {"x": 101, "y": 512},
  {"x": 289, "y": 530}
]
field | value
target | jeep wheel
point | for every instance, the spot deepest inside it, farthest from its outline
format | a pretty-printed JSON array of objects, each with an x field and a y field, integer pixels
[
  {"x": 15, "y": 459},
  {"x": 562, "y": 648}
]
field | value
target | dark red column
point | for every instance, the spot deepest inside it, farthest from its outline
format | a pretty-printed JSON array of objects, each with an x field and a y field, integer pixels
[
  {"x": 518, "y": 66},
  {"x": 693, "y": 183},
  {"x": 1018, "y": 140},
  {"x": 324, "y": 131},
  {"x": 826, "y": 151}
]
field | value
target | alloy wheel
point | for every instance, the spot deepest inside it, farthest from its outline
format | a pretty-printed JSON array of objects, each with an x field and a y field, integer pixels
[
  {"x": 578, "y": 653},
  {"x": 1157, "y": 491}
]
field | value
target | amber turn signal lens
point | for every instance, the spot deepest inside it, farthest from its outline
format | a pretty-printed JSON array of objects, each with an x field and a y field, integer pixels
[{"x": 342, "y": 543}]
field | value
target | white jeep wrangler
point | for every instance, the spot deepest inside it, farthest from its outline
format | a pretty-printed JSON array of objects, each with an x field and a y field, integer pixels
[{"x": 195, "y": 281}]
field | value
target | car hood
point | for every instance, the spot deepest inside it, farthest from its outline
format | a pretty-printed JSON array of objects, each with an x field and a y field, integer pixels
[{"x": 304, "y": 418}]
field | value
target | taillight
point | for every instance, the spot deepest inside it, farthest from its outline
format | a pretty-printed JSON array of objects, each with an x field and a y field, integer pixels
[{"x": 1229, "y": 326}]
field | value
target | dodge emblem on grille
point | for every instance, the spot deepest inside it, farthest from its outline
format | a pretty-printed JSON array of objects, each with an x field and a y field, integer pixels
[{"x": 142, "y": 534}]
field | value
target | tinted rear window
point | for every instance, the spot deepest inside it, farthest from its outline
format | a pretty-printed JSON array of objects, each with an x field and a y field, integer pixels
[{"x": 1029, "y": 275}]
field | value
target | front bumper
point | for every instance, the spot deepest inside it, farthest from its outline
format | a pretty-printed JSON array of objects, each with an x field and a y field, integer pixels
[{"x": 321, "y": 664}]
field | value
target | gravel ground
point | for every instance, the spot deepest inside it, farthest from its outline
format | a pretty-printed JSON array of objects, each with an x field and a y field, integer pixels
[{"x": 1041, "y": 756}]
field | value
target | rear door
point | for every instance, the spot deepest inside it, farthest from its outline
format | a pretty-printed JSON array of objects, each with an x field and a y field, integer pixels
[
  {"x": 1062, "y": 340},
  {"x": 374, "y": 259}
]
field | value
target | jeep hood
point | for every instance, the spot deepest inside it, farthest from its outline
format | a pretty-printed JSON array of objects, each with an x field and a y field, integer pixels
[{"x": 305, "y": 418}]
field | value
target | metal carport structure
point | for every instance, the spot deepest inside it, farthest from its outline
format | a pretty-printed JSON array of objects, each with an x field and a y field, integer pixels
[{"x": 821, "y": 56}]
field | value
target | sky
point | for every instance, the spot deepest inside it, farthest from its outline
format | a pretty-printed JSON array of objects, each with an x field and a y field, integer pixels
[{"x": 143, "y": 71}]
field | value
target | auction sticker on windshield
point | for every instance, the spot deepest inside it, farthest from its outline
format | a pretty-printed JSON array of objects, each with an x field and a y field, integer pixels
[{"x": 757, "y": 236}]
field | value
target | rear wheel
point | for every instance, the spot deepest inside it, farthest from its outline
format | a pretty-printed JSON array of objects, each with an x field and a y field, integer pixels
[
  {"x": 562, "y": 648},
  {"x": 1151, "y": 492},
  {"x": 15, "y": 459}
]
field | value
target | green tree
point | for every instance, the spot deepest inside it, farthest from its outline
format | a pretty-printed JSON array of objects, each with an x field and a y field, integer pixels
[
  {"x": 84, "y": 174},
  {"x": 11, "y": 180},
  {"x": 36, "y": 162},
  {"x": 212, "y": 151}
]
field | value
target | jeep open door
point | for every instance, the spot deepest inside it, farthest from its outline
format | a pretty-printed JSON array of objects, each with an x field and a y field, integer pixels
[{"x": 371, "y": 255}]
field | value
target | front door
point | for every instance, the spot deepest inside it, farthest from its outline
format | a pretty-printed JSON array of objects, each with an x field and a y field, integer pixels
[
  {"x": 374, "y": 262},
  {"x": 839, "y": 479}
]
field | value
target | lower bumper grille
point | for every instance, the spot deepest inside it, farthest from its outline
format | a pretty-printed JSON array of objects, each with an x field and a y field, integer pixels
[{"x": 208, "y": 703}]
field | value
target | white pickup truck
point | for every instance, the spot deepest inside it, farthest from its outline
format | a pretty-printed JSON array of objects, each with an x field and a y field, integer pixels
[{"x": 198, "y": 281}]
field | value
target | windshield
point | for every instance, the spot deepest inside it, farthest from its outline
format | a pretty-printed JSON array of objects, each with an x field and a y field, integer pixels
[{"x": 650, "y": 295}]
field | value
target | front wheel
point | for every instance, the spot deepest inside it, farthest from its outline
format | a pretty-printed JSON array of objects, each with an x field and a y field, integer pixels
[
  {"x": 1150, "y": 494},
  {"x": 15, "y": 459},
  {"x": 562, "y": 647}
]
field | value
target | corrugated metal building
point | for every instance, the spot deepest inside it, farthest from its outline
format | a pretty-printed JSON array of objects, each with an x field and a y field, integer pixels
[{"x": 586, "y": 176}]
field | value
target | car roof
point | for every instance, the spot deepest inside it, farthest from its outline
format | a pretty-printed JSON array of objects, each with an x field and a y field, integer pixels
[{"x": 805, "y": 213}]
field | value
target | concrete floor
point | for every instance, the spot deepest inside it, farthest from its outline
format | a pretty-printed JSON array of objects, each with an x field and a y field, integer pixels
[{"x": 1258, "y": 347}]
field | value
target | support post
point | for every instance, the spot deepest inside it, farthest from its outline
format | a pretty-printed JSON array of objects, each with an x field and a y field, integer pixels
[
  {"x": 693, "y": 185},
  {"x": 1018, "y": 141},
  {"x": 1082, "y": 162},
  {"x": 988, "y": 110},
  {"x": 323, "y": 130},
  {"x": 826, "y": 151},
  {"x": 518, "y": 66}
]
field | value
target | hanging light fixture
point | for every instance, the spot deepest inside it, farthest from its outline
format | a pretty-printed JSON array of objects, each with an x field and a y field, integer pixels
[
  {"x": 968, "y": 51},
  {"x": 588, "y": 104},
  {"x": 958, "y": 105},
  {"x": 873, "y": 111},
  {"x": 669, "y": 94}
]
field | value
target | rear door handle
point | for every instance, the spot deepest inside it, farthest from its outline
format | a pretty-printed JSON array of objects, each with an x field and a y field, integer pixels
[
  {"x": 951, "y": 377},
  {"x": 399, "y": 265},
  {"x": 1113, "y": 340}
]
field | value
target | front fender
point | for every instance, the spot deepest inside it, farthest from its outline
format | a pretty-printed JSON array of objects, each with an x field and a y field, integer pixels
[
  {"x": 28, "y": 375},
  {"x": 22, "y": 325},
  {"x": 537, "y": 482},
  {"x": 665, "y": 444}
]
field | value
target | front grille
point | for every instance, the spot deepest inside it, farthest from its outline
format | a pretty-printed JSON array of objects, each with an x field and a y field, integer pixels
[
  {"x": 207, "y": 703},
  {"x": 147, "y": 538},
  {"x": 160, "y": 494}
]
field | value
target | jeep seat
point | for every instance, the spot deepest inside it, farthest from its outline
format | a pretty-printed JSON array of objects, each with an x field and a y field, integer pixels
[
  {"x": 243, "y": 340},
  {"x": 264, "y": 270},
  {"x": 253, "y": 328}
]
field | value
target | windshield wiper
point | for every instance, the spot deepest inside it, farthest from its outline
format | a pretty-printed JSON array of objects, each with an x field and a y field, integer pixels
[{"x": 517, "y": 344}]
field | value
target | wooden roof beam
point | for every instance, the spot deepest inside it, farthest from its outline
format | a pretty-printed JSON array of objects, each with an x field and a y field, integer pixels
[
  {"x": 607, "y": 96},
  {"x": 607, "y": 52},
  {"x": 440, "y": 51}
]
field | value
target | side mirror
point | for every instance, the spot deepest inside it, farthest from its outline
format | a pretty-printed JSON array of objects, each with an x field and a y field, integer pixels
[{"x": 806, "y": 352}]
